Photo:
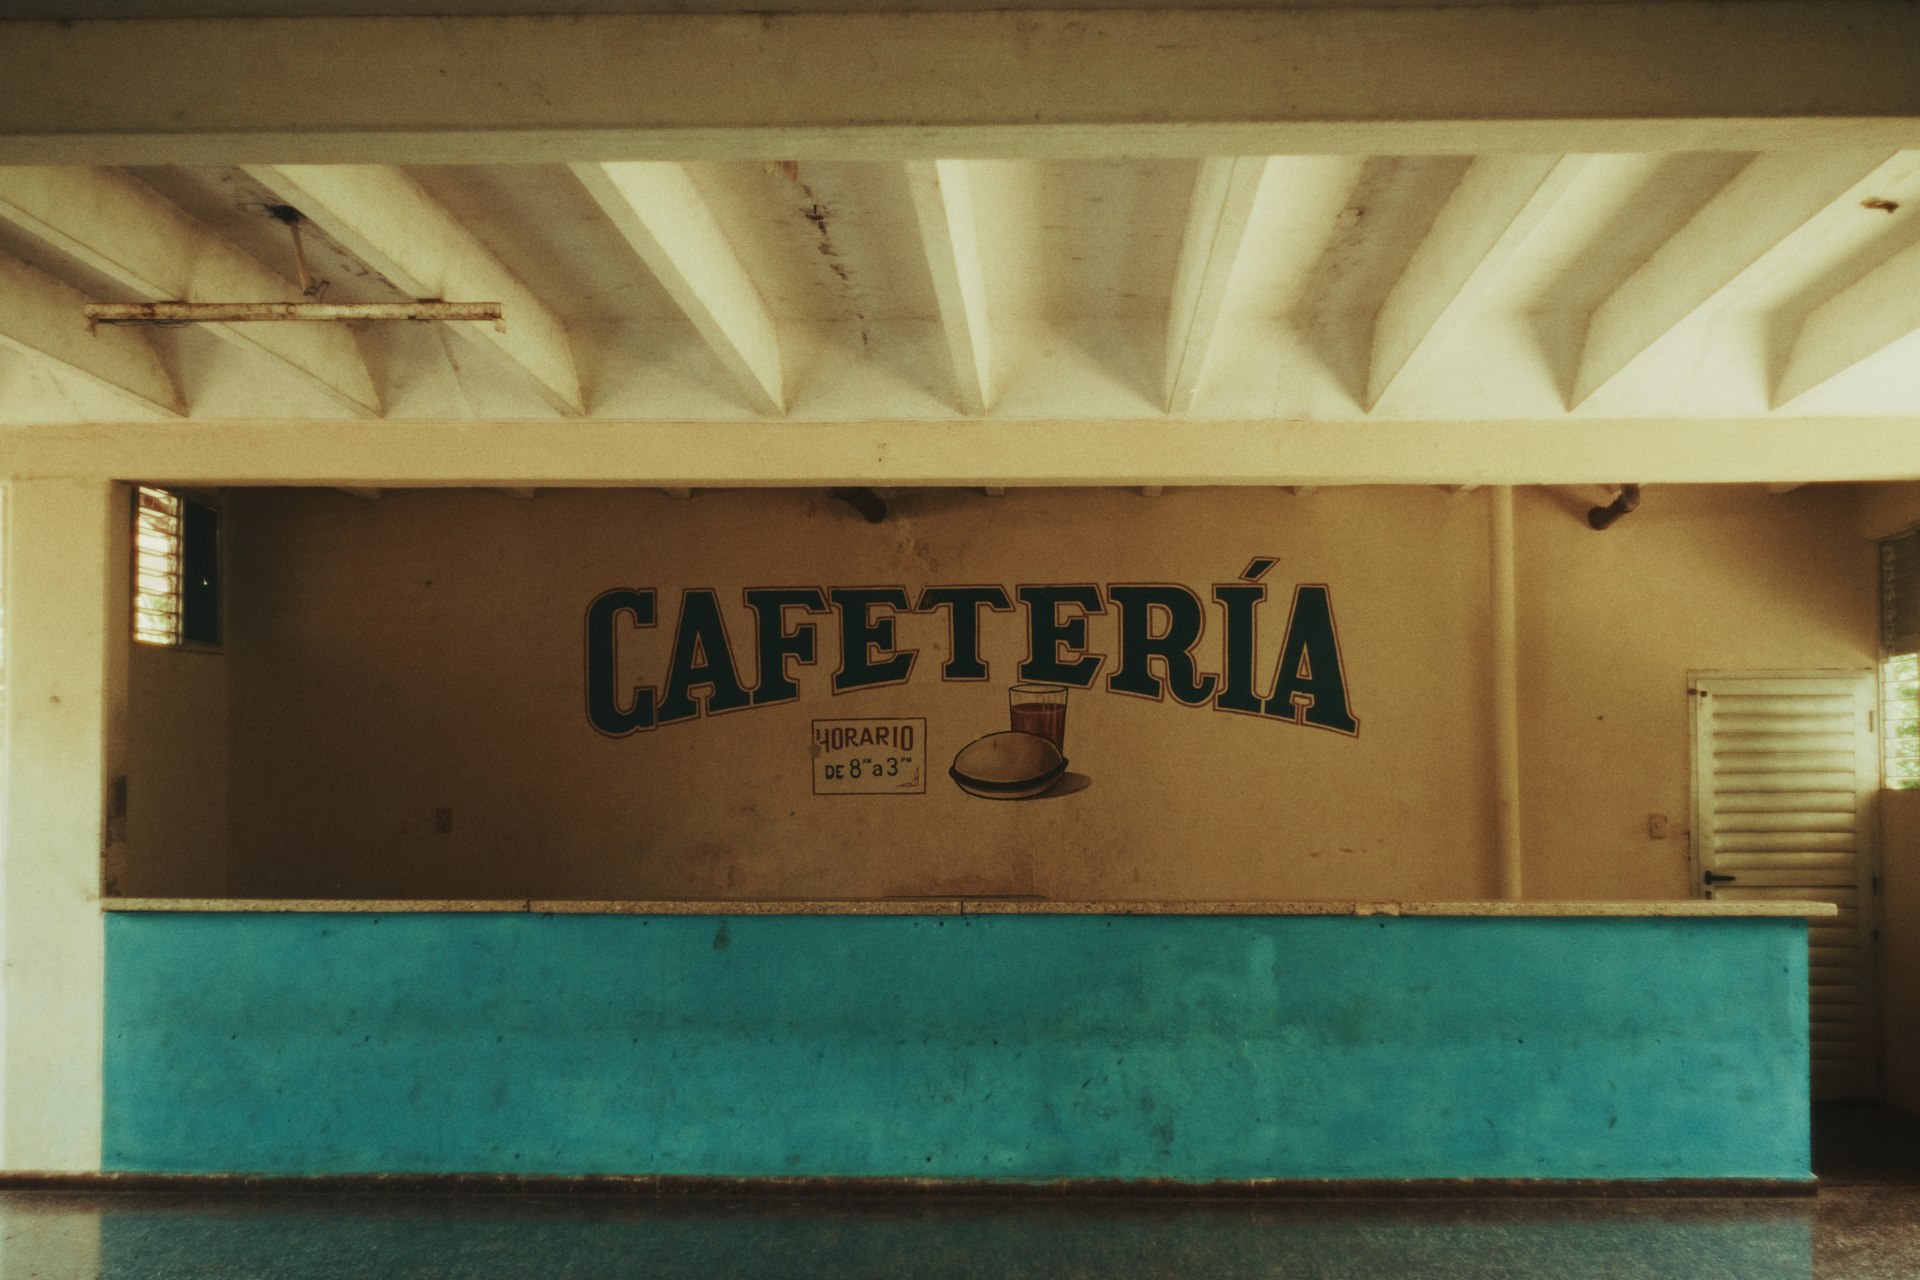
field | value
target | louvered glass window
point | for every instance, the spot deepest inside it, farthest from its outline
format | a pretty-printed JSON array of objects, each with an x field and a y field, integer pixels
[
  {"x": 1900, "y": 721},
  {"x": 1900, "y": 661},
  {"x": 156, "y": 567},
  {"x": 176, "y": 570}
]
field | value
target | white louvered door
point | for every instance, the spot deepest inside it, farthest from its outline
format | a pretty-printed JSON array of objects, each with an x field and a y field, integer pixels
[{"x": 1786, "y": 770}]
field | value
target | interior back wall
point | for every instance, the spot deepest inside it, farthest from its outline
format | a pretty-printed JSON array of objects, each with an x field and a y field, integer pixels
[
  {"x": 1884, "y": 511},
  {"x": 409, "y": 707},
  {"x": 177, "y": 771}
]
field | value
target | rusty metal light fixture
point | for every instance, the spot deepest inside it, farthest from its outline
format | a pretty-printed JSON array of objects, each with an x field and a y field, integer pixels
[
  {"x": 176, "y": 313},
  {"x": 179, "y": 313}
]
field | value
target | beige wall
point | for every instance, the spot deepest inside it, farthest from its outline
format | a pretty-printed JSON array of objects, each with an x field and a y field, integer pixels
[
  {"x": 1888, "y": 508},
  {"x": 424, "y": 651},
  {"x": 1698, "y": 579},
  {"x": 66, "y": 595}
]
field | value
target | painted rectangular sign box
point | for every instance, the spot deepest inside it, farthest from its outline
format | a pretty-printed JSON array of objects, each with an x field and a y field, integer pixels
[
  {"x": 868, "y": 756},
  {"x": 1017, "y": 1047}
]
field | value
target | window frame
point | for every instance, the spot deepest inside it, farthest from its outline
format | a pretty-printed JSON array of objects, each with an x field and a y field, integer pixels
[
  {"x": 189, "y": 500},
  {"x": 1897, "y": 670}
]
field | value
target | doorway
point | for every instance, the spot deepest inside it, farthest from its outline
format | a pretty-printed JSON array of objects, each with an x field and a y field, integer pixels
[{"x": 1785, "y": 774}]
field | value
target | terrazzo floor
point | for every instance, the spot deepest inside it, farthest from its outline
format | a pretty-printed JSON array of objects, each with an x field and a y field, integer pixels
[{"x": 1863, "y": 1225}]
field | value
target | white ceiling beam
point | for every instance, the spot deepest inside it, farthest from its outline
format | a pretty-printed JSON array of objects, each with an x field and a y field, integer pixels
[
  {"x": 382, "y": 217},
  {"x": 1139, "y": 452},
  {"x": 1776, "y": 209},
  {"x": 1223, "y": 194},
  {"x": 40, "y": 317},
  {"x": 1560, "y": 78},
  {"x": 949, "y": 235},
  {"x": 1500, "y": 202},
  {"x": 1862, "y": 320},
  {"x": 662, "y": 215},
  {"x": 125, "y": 230}
]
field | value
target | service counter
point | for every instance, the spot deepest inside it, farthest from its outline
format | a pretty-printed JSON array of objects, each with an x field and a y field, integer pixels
[{"x": 961, "y": 1040}]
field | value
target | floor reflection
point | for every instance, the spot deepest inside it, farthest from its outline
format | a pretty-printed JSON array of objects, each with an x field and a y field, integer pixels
[
  {"x": 1864, "y": 1225},
  {"x": 324, "y": 1236}
]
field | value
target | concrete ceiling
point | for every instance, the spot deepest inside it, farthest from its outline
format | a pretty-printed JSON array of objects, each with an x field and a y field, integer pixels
[
  {"x": 1372, "y": 288},
  {"x": 1120, "y": 262}
]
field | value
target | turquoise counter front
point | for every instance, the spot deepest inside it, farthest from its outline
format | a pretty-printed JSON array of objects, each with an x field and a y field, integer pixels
[{"x": 1017, "y": 1046}]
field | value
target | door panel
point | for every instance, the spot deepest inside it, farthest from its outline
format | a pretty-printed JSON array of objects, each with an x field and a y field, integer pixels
[{"x": 1785, "y": 774}]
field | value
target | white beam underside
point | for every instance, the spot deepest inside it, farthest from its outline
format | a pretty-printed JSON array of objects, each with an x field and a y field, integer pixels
[
  {"x": 1770, "y": 74},
  {"x": 704, "y": 455},
  {"x": 1776, "y": 208},
  {"x": 1223, "y": 195},
  {"x": 1859, "y": 322},
  {"x": 381, "y": 216},
  {"x": 41, "y": 318},
  {"x": 1500, "y": 201},
  {"x": 127, "y": 232},
  {"x": 949, "y": 235},
  {"x": 660, "y": 213}
]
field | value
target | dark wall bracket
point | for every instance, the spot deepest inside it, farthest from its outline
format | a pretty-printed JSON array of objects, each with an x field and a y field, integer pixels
[{"x": 1623, "y": 503}]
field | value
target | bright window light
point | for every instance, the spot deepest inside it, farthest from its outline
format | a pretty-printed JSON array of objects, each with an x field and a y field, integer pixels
[
  {"x": 156, "y": 567},
  {"x": 1900, "y": 721}
]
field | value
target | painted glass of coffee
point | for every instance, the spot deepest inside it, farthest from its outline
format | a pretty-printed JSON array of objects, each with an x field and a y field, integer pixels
[{"x": 1040, "y": 709}]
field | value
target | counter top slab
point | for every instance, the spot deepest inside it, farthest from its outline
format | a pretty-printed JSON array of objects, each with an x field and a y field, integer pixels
[{"x": 1690, "y": 908}]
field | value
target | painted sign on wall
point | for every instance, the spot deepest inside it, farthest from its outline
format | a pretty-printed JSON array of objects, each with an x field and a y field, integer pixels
[
  {"x": 1161, "y": 625},
  {"x": 1161, "y": 632},
  {"x": 869, "y": 757}
]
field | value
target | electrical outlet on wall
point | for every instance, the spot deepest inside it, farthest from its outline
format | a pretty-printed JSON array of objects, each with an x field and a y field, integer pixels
[
  {"x": 1656, "y": 826},
  {"x": 443, "y": 822}
]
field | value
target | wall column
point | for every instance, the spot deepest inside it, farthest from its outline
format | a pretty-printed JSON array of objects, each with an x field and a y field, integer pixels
[
  {"x": 64, "y": 559},
  {"x": 1506, "y": 698}
]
